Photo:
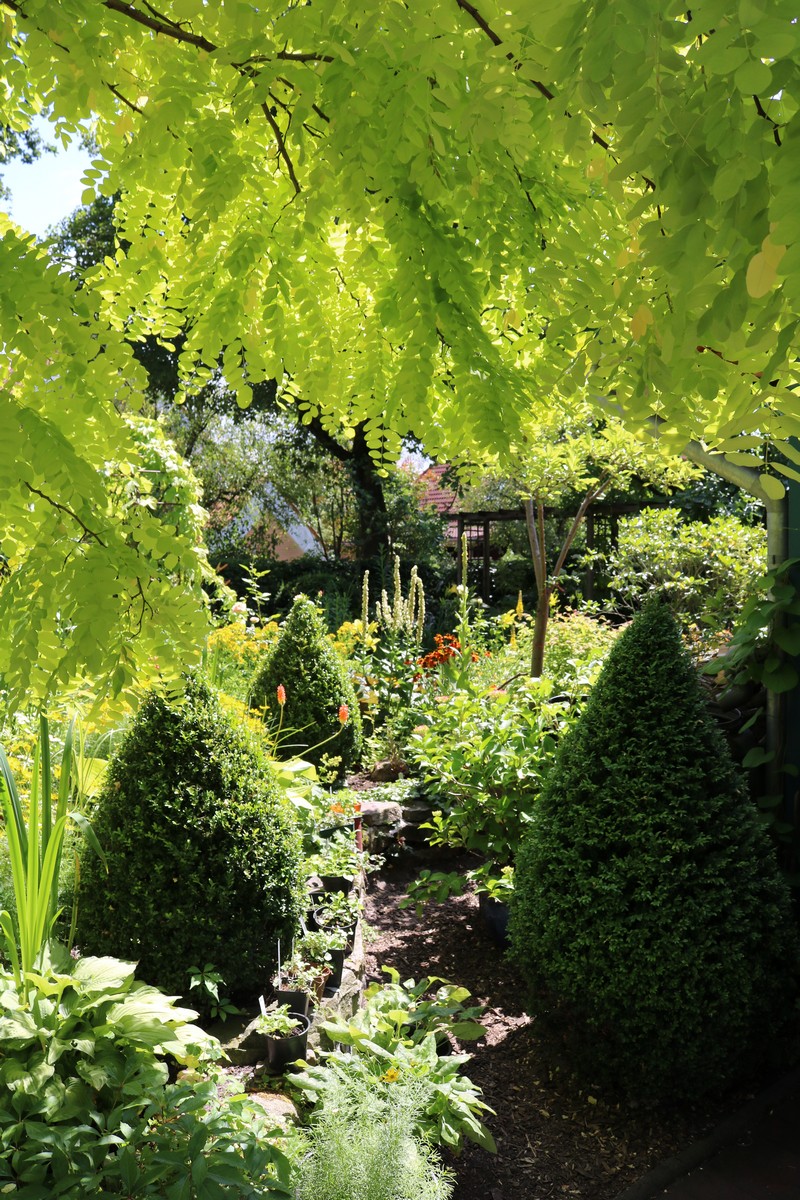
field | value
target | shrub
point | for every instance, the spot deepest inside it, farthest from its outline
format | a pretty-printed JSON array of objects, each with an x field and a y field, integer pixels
[
  {"x": 649, "y": 910},
  {"x": 483, "y": 760},
  {"x": 304, "y": 663},
  {"x": 203, "y": 854},
  {"x": 706, "y": 569},
  {"x": 576, "y": 645}
]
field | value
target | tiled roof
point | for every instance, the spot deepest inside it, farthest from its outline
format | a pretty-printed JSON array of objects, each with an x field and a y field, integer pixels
[{"x": 443, "y": 499}]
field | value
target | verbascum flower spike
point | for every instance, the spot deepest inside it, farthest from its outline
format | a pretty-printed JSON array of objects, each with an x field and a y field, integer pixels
[{"x": 365, "y": 602}]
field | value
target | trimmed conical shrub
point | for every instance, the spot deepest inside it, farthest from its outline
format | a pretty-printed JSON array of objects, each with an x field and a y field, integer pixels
[
  {"x": 203, "y": 852},
  {"x": 649, "y": 915},
  {"x": 315, "y": 684}
]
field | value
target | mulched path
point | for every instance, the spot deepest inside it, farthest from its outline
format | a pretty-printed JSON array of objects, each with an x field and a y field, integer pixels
[{"x": 554, "y": 1138}]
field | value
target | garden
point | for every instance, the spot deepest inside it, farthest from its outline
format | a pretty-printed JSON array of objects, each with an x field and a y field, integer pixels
[
  {"x": 367, "y": 873},
  {"x": 516, "y": 931}
]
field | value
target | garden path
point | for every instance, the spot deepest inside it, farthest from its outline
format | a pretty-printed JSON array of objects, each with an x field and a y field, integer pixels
[{"x": 554, "y": 1139}]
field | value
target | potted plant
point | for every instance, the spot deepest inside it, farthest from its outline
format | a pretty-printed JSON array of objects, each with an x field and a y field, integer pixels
[
  {"x": 337, "y": 911},
  {"x": 323, "y": 948},
  {"x": 285, "y": 1035},
  {"x": 494, "y": 892},
  {"x": 337, "y": 864},
  {"x": 300, "y": 982}
]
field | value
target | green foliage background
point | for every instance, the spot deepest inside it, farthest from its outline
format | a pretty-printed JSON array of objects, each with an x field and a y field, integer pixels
[
  {"x": 649, "y": 911},
  {"x": 705, "y": 568}
]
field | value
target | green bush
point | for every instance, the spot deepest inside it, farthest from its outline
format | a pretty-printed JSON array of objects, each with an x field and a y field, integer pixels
[
  {"x": 304, "y": 663},
  {"x": 649, "y": 911},
  {"x": 203, "y": 854},
  {"x": 705, "y": 568},
  {"x": 483, "y": 760}
]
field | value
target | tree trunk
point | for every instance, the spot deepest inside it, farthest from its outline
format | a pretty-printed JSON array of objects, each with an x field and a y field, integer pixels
[
  {"x": 540, "y": 623},
  {"x": 367, "y": 485}
]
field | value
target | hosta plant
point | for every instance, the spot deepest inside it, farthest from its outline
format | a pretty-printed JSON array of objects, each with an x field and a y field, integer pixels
[
  {"x": 86, "y": 1106},
  {"x": 407, "y": 1012}
]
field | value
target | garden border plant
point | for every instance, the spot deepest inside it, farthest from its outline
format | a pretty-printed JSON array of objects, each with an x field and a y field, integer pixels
[
  {"x": 649, "y": 912},
  {"x": 203, "y": 850}
]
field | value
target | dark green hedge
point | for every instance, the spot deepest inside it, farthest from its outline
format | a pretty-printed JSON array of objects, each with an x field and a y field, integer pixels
[
  {"x": 203, "y": 853},
  {"x": 650, "y": 915},
  {"x": 337, "y": 584},
  {"x": 316, "y": 683}
]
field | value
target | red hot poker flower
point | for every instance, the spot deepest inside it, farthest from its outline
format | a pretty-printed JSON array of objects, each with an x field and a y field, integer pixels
[
  {"x": 281, "y": 695},
  {"x": 344, "y": 713}
]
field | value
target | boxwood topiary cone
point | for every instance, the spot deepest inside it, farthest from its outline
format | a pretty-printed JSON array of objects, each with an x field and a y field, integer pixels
[
  {"x": 316, "y": 685},
  {"x": 203, "y": 852},
  {"x": 649, "y": 911}
]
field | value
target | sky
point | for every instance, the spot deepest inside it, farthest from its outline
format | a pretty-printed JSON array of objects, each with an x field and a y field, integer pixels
[{"x": 44, "y": 191}]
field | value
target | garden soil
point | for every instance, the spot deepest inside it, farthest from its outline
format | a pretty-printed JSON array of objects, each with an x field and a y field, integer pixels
[{"x": 554, "y": 1137}]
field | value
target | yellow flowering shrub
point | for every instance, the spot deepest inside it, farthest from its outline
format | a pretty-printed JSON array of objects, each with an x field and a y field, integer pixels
[
  {"x": 243, "y": 642},
  {"x": 352, "y": 637},
  {"x": 241, "y": 714},
  {"x": 236, "y": 649}
]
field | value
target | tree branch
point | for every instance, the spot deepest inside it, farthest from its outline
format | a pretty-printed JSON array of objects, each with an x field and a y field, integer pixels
[
  {"x": 63, "y": 508},
  {"x": 776, "y": 129},
  {"x": 496, "y": 40},
  {"x": 160, "y": 25},
  {"x": 128, "y": 103},
  {"x": 166, "y": 27},
  {"x": 282, "y": 151},
  {"x": 533, "y": 538},
  {"x": 587, "y": 500}
]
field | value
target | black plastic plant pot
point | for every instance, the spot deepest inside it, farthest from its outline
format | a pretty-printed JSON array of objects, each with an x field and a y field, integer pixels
[
  {"x": 311, "y": 922},
  {"x": 348, "y": 930},
  {"x": 281, "y": 1051},
  {"x": 495, "y": 918},
  {"x": 332, "y": 830},
  {"x": 337, "y": 967},
  {"x": 298, "y": 1001},
  {"x": 336, "y": 883}
]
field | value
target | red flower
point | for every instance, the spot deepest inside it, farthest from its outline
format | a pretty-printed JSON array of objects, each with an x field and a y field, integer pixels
[
  {"x": 281, "y": 695},
  {"x": 344, "y": 713}
]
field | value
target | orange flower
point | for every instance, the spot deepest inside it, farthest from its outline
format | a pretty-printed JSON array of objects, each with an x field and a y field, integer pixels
[
  {"x": 336, "y": 808},
  {"x": 344, "y": 713},
  {"x": 356, "y": 806},
  {"x": 281, "y": 695}
]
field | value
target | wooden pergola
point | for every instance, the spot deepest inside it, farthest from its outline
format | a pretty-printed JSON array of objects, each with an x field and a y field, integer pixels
[{"x": 601, "y": 521}]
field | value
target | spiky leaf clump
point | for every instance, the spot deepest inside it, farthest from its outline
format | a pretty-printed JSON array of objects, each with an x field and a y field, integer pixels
[
  {"x": 203, "y": 852},
  {"x": 649, "y": 909},
  {"x": 316, "y": 684}
]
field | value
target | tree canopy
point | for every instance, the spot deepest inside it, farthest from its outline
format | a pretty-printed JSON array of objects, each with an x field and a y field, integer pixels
[{"x": 429, "y": 220}]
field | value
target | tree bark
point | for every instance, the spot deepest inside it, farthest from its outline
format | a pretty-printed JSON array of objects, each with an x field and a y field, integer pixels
[{"x": 367, "y": 484}]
